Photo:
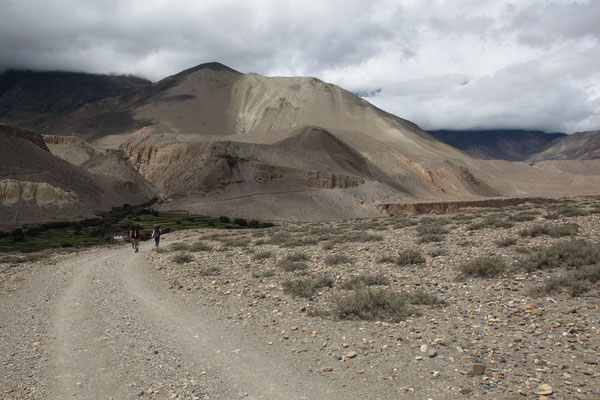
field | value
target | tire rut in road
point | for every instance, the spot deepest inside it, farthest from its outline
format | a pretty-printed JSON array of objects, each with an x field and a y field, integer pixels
[
  {"x": 83, "y": 364},
  {"x": 250, "y": 369}
]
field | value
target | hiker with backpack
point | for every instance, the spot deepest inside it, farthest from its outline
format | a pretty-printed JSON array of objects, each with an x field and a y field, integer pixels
[
  {"x": 156, "y": 234},
  {"x": 135, "y": 235}
]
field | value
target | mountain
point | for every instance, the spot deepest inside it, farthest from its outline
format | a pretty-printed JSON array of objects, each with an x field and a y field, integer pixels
[
  {"x": 212, "y": 100},
  {"x": 511, "y": 145},
  {"x": 215, "y": 141},
  {"x": 36, "y": 99},
  {"x": 578, "y": 146},
  {"x": 36, "y": 186}
]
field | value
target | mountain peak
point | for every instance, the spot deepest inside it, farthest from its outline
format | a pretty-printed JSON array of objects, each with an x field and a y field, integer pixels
[{"x": 214, "y": 66}]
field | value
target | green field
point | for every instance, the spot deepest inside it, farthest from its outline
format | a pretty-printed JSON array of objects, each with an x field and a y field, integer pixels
[{"x": 101, "y": 230}]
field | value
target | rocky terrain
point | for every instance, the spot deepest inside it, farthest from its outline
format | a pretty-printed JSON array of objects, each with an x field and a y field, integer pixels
[
  {"x": 37, "y": 186},
  {"x": 483, "y": 303},
  {"x": 213, "y": 141}
]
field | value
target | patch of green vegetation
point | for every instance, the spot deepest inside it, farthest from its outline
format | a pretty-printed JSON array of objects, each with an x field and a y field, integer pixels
[
  {"x": 102, "y": 229},
  {"x": 484, "y": 267}
]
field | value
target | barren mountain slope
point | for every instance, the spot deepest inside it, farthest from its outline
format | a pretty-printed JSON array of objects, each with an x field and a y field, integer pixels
[
  {"x": 113, "y": 165},
  {"x": 215, "y": 141},
  {"x": 213, "y": 100},
  {"x": 70, "y": 148},
  {"x": 510, "y": 145},
  {"x": 37, "y": 99},
  {"x": 578, "y": 146},
  {"x": 37, "y": 186}
]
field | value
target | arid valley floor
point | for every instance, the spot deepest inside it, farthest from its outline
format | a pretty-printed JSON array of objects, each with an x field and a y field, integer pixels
[{"x": 483, "y": 303}]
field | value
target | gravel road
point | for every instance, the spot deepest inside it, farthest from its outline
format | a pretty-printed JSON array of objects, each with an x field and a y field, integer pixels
[{"x": 99, "y": 326}]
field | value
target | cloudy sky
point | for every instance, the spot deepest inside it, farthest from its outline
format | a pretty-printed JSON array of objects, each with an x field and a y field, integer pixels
[{"x": 532, "y": 64}]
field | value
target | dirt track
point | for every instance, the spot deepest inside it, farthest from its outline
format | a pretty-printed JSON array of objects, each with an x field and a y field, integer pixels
[{"x": 98, "y": 326}]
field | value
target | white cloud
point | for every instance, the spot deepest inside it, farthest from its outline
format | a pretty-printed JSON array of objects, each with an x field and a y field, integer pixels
[{"x": 441, "y": 63}]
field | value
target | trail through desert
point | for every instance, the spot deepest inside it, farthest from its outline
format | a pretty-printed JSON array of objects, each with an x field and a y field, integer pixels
[{"x": 114, "y": 332}]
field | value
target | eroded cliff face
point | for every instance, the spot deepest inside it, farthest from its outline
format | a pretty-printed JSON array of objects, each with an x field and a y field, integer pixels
[
  {"x": 13, "y": 191},
  {"x": 178, "y": 168},
  {"x": 314, "y": 179}
]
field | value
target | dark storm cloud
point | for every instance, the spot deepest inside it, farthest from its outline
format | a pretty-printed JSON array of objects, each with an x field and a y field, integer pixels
[
  {"x": 159, "y": 38},
  {"x": 442, "y": 64}
]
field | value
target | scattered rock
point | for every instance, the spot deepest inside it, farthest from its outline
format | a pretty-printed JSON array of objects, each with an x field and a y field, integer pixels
[
  {"x": 476, "y": 369},
  {"x": 543, "y": 390}
]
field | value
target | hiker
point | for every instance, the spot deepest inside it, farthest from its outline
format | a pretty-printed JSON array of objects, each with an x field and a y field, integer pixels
[
  {"x": 156, "y": 234},
  {"x": 135, "y": 235}
]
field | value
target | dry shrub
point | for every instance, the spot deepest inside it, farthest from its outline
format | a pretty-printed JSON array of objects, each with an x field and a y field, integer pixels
[
  {"x": 410, "y": 257},
  {"x": 570, "y": 254},
  {"x": 484, "y": 267},
  {"x": 336, "y": 259},
  {"x": 306, "y": 287},
  {"x": 507, "y": 242},
  {"x": 554, "y": 231},
  {"x": 263, "y": 255},
  {"x": 379, "y": 304},
  {"x": 182, "y": 258},
  {"x": 364, "y": 280},
  {"x": 200, "y": 246}
]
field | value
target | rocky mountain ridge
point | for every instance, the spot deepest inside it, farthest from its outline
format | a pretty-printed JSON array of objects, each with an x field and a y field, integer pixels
[
  {"x": 38, "y": 99},
  {"x": 214, "y": 141},
  {"x": 502, "y": 144}
]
